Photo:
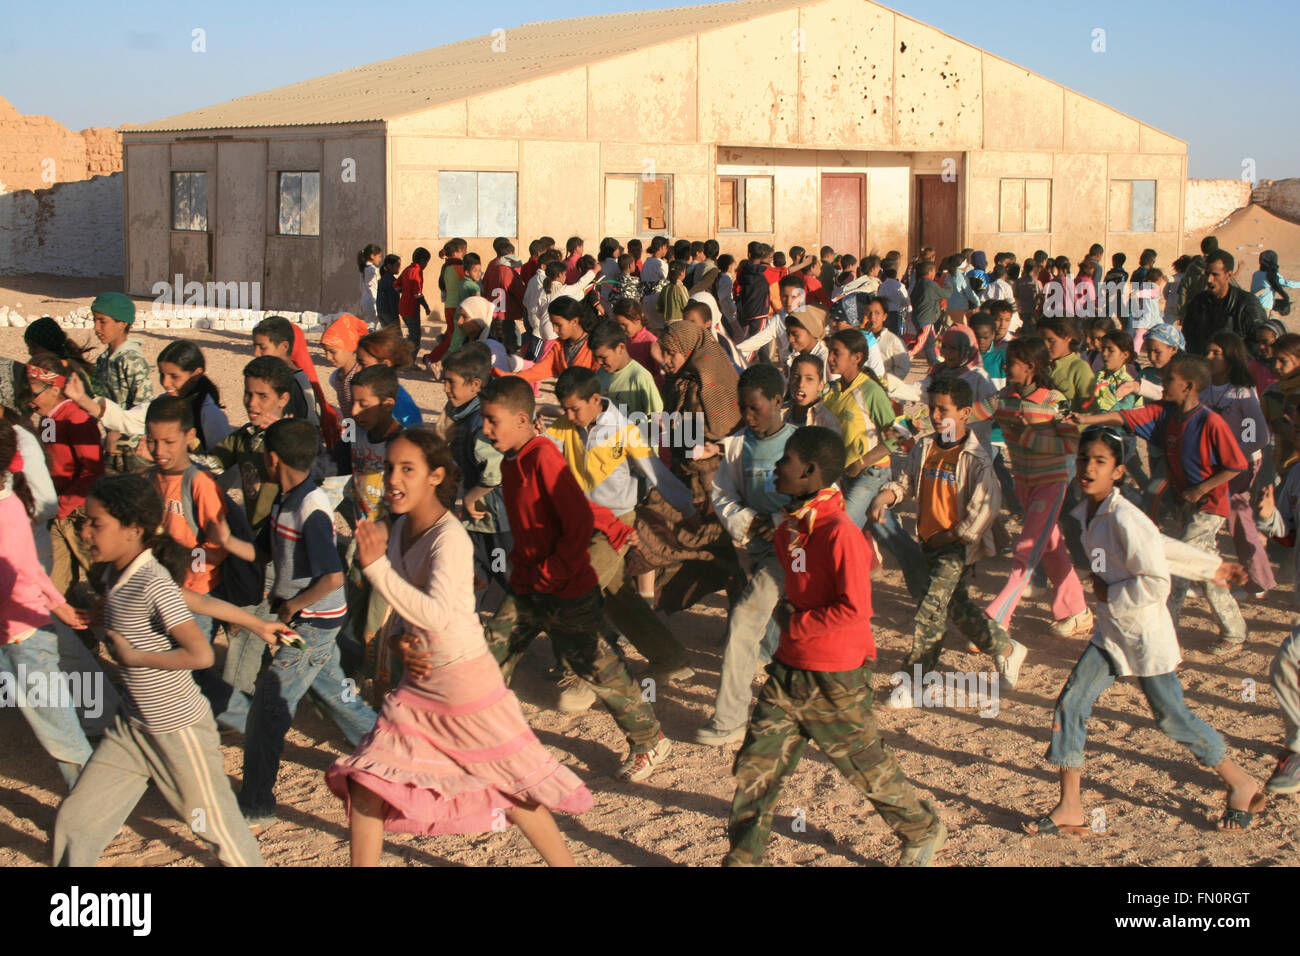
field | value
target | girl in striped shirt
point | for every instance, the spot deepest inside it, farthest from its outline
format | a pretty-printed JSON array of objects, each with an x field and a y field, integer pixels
[
  {"x": 1028, "y": 411},
  {"x": 167, "y": 734}
]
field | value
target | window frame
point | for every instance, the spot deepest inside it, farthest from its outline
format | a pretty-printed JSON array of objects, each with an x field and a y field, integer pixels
[
  {"x": 640, "y": 233},
  {"x": 478, "y": 174},
  {"x": 1132, "y": 206},
  {"x": 1023, "y": 182},
  {"x": 742, "y": 203},
  {"x": 177, "y": 173},
  {"x": 279, "y": 203}
]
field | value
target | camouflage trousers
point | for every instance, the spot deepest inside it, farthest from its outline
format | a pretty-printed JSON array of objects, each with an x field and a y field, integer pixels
[
  {"x": 833, "y": 709},
  {"x": 948, "y": 599},
  {"x": 576, "y": 627}
]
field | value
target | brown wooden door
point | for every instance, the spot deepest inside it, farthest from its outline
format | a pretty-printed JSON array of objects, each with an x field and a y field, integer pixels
[
  {"x": 935, "y": 223},
  {"x": 843, "y": 212}
]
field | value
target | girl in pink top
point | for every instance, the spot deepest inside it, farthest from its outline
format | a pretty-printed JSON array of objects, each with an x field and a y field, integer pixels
[
  {"x": 29, "y": 648},
  {"x": 451, "y": 752}
]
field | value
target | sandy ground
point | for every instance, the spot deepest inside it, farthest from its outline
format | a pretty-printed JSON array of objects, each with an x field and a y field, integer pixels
[{"x": 986, "y": 773}]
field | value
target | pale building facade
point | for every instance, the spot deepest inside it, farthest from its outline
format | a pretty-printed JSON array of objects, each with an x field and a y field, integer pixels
[{"x": 837, "y": 122}]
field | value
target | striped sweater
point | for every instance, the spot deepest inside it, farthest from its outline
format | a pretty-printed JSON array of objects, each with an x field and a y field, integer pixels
[{"x": 1037, "y": 439}]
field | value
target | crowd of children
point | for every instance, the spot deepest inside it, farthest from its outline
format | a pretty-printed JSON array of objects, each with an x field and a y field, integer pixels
[{"x": 746, "y": 427}]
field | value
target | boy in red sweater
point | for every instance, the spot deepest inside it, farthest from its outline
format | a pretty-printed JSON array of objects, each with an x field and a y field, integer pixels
[
  {"x": 553, "y": 586},
  {"x": 819, "y": 683},
  {"x": 76, "y": 460}
]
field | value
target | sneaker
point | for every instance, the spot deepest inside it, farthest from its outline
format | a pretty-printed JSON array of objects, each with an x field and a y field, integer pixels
[
  {"x": 1224, "y": 648},
  {"x": 1076, "y": 625},
  {"x": 712, "y": 736},
  {"x": 576, "y": 694},
  {"x": 1009, "y": 663},
  {"x": 900, "y": 698},
  {"x": 922, "y": 854},
  {"x": 640, "y": 766},
  {"x": 1286, "y": 778}
]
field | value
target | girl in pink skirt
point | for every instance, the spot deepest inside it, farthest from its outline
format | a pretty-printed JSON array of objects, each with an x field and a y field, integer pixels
[{"x": 451, "y": 752}]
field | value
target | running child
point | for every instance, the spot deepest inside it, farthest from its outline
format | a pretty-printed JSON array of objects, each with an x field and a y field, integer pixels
[
  {"x": 1135, "y": 637},
  {"x": 747, "y": 504},
  {"x": 307, "y": 594},
  {"x": 76, "y": 461},
  {"x": 958, "y": 499},
  {"x": 553, "y": 586},
  {"x": 867, "y": 425},
  {"x": 167, "y": 734},
  {"x": 340, "y": 343},
  {"x": 29, "y": 602},
  {"x": 478, "y": 464},
  {"x": 1028, "y": 411},
  {"x": 472, "y": 763},
  {"x": 819, "y": 684},
  {"x": 1203, "y": 456},
  {"x": 1231, "y": 393}
]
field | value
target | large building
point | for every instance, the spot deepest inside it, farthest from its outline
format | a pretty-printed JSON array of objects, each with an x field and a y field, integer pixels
[{"x": 837, "y": 122}]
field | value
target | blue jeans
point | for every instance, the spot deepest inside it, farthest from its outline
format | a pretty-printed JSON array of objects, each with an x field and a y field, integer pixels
[
  {"x": 1164, "y": 693},
  {"x": 225, "y": 690},
  {"x": 293, "y": 673},
  {"x": 888, "y": 532},
  {"x": 54, "y": 721}
]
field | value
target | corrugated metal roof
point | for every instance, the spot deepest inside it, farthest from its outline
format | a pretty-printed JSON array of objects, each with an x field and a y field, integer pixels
[{"x": 446, "y": 74}]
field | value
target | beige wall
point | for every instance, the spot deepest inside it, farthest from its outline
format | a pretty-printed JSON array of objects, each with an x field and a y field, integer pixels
[
  {"x": 297, "y": 273},
  {"x": 1080, "y": 206}
]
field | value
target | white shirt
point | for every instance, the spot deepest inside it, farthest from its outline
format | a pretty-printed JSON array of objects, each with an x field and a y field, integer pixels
[
  {"x": 369, "y": 289},
  {"x": 1135, "y": 560}
]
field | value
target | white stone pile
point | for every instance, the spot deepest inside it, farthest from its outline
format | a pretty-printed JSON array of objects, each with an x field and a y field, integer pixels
[{"x": 180, "y": 318}]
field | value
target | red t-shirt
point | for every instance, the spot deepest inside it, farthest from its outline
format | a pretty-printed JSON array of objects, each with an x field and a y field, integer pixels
[
  {"x": 551, "y": 521},
  {"x": 829, "y": 584},
  {"x": 411, "y": 286}
]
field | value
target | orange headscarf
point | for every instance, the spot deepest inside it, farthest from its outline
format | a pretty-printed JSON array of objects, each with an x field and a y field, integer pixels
[
  {"x": 330, "y": 429},
  {"x": 345, "y": 332}
]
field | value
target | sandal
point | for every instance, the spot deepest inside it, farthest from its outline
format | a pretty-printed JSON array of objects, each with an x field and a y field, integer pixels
[
  {"x": 1243, "y": 820},
  {"x": 1046, "y": 826}
]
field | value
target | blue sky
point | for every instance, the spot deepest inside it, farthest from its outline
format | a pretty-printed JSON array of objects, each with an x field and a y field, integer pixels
[{"x": 1219, "y": 76}]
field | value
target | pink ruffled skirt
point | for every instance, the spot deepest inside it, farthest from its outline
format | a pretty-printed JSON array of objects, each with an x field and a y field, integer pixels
[{"x": 456, "y": 756}]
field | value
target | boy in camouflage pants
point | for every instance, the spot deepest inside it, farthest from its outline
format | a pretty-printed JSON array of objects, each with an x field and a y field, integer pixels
[
  {"x": 819, "y": 683},
  {"x": 958, "y": 499}
]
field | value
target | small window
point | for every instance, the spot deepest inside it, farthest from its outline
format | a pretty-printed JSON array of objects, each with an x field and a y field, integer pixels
[
  {"x": 190, "y": 202},
  {"x": 638, "y": 205},
  {"x": 745, "y": 204},
  {"x": 300, "y": 204},
  {"x": 477, "y": 205},
  {"x": 1025, "y": 205},
  {"x": 1133, "y": 205}
]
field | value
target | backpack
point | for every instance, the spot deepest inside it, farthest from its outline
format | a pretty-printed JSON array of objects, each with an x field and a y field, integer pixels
[{"x": 243, "y": 583}]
